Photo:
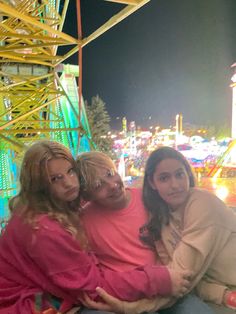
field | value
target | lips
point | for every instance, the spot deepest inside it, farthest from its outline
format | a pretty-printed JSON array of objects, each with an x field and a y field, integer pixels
[
  {"x": 72, "y": 191},
  {"x": 117, "y": 194},
  {"x": 176, "y": 194}
]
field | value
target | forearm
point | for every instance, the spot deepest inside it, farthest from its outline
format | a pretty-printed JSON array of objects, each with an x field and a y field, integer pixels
[
  {"x": 73, "y": 271},
  {"x": 140, "y": 283},
  {"x": 211, "y": 291},
  {"x": 196, "y": 252}
]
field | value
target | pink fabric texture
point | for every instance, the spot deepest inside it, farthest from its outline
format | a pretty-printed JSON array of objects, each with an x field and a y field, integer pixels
[
  {"x": 114, "y": 234},
  {"x": 49, "y": 259}
]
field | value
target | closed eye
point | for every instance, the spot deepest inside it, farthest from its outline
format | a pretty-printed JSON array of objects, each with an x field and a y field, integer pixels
[
  {"x": 97, "y": 185},
  {"x": 53, "y": 179}
]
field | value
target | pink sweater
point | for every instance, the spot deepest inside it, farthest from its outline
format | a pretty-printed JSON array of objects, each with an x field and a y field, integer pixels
[
  {"x": 114, "y": 234},
  {"x": 48, "y": 259}
]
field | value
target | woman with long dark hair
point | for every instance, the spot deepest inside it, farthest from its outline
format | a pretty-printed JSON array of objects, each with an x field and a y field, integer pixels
[{"x": 190, "y": 228}]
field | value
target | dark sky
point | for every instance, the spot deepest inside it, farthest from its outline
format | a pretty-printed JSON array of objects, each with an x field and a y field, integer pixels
[{"x": 168, "y": 57}]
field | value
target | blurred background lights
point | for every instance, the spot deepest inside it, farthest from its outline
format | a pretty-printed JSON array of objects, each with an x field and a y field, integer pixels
[{"x": 222, "y": 192}]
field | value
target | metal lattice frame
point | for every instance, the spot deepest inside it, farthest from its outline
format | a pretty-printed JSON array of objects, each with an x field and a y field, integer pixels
[
  {"x": 30, "y": 34},
  {"x": 30, "y": 90}
]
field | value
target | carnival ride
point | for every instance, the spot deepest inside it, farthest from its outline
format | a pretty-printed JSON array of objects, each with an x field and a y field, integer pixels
[
  {"x": 226, "y": 164},
  {"x": 37, "y": 102}
]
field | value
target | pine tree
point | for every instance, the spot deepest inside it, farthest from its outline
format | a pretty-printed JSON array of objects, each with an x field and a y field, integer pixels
[{"x": 99, "y": 120}]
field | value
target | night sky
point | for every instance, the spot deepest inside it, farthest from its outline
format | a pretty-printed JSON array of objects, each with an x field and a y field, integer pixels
[{"x": 169, "y": 57}]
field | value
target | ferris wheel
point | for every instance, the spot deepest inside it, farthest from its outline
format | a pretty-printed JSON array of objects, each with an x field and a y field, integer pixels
[{"x": 39, "y": 95}]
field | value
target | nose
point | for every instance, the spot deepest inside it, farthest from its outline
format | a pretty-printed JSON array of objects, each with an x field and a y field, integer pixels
[
  {"x": 67, "y": 181},
  {"x": 111, "y": 183},
  {"x": 174, "y": 183},
  {"x": 114, "y": 185}
]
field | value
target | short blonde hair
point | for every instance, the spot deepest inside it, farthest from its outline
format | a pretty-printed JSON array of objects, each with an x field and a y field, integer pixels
[{"x": 89, "y": 165}]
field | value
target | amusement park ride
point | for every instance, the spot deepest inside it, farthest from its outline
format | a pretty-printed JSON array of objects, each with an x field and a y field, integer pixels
[
  {"x": 229, "y": 156},
  {"x": 39, "y": 95}
]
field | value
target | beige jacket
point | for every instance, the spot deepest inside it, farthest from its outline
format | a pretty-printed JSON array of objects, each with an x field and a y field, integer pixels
[{"x": 201, "y": 237}]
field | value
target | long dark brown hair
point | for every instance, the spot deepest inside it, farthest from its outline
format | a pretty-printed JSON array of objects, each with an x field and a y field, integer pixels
[{"x": 156, "y": 206}]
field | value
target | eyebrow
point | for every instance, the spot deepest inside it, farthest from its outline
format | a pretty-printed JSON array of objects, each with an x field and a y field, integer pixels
[
  {"x": 106, "y": 170},
  {"x": 60, "y": 173},
  {"x": 164, "y": 173}
]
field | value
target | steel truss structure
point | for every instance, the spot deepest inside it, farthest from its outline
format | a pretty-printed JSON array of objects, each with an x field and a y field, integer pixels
[{"x": 35, "y": 102}]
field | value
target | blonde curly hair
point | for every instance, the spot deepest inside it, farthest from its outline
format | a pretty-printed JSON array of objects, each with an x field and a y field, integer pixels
[{"x": 33, "y": 198}]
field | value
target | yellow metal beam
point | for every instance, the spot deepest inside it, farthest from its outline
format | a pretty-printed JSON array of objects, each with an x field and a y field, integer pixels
[
  {"x": 32, "y": 131},
  {"x": 20, "y": 47},
  {"x": 128, "y": 2},
  {"x": 113, "y": 21},
  {"x": 32, "y": 21},
  {"x": 30, "y": 34},
  {"x": 32, "y": 37},
  {"x": 14, "y": 143},
  {"x": 11, "y": 122}
]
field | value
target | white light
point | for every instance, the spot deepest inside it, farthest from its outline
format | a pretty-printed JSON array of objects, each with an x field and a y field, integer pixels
[
  {"x": 222, "y": 192},
  {"x": 234, "y": 78}
]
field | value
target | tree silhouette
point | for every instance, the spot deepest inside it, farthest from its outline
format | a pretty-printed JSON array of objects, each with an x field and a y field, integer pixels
[{"x": 99, "y": 121}]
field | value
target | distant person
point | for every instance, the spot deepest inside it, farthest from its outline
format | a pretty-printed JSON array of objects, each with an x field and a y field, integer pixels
[
  {"x": 112, "y": 218},
  {"x": 42, "y": 262}
]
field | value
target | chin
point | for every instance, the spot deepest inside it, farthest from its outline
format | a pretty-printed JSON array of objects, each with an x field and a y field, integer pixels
[{"x": 71, "y": 199}]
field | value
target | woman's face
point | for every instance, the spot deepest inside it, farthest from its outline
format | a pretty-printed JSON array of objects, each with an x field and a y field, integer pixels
[
  {"x": 171, "y": 180},
  {"x": 64, "y": 183}
]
